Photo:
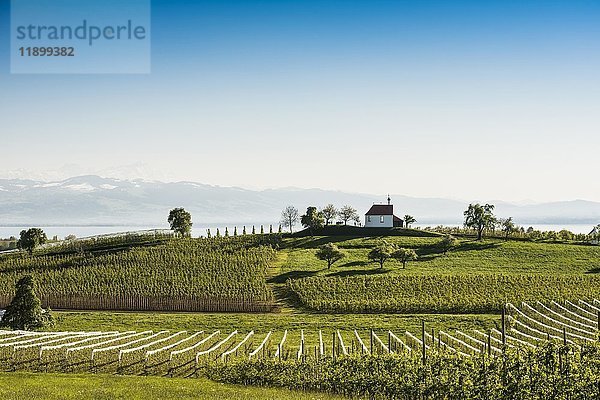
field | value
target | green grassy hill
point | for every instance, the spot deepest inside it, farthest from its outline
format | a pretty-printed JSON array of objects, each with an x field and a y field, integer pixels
[
  {"x": 490, "y": 256},
  {"x": 475, "y": 276}
]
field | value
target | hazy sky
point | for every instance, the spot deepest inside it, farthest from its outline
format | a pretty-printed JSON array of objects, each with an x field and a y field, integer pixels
[{"x": 465, "y": 99}]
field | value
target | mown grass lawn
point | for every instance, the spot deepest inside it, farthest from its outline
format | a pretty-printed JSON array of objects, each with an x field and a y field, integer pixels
[
  {"x": 25, "y": 386},
  {"x": 105, "y": 321},
  {"x": 490, "y": 256}
]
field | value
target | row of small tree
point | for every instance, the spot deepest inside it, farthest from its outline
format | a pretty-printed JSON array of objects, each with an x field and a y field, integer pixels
[
  {"x": 481, "y": 218},
  {"x": 244, "y": 232},
  {"x": 381, "y": 252},
  {"x": 315, "y": 218}
]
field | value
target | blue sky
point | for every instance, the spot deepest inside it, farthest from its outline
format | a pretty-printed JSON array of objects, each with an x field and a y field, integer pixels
[{"x": 464, "y": 99}]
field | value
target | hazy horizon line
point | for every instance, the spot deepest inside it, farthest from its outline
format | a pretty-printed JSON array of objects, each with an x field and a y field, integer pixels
[{"x": 520, "y": 202}]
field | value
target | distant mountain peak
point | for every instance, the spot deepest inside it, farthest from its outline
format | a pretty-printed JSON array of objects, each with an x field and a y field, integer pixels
[{"x": 92, "y": 199}]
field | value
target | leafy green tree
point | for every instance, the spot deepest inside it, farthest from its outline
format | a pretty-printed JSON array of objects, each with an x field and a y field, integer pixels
[
  {"x": 289, "y": 218},
  {"x": 404, "y": 255},
  {"x": 508, "y": 227},
  {"x": 329, "y": 213},
  {"x": 262, "y": 230},
  {"x": 226, "y": 232},
  {"x": 32, "y": 238},
  {"x": 447, "y": 243},
  {"x": 480, "y": 218},
  {"x": 218, "y": 234},
  {"x": 566, "y": 235},
  {"x": 235, "y": 231},
  {"x": 25, "y": 310},
  {"x": 180, "y": 222},
  {"x": 329, "y": 252},
  {"x": 208, "y": 235},
  {"x": 312, "y": 220},
  {"x": 348, "y": 213},
  {"x": 381, "y": 252},
  {"x": 408, "y": 220}
]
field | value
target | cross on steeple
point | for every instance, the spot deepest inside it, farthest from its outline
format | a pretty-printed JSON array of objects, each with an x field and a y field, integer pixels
[{"x": 389, "y": 200}]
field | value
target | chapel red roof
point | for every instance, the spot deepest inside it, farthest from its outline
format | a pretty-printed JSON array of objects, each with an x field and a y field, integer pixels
[{"x": 381, "y": 209}]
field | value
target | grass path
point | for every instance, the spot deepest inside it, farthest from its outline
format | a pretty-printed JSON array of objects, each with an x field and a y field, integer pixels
[
  {"x": 25, "y": 386},
  {"x": 277, "y": 284}
]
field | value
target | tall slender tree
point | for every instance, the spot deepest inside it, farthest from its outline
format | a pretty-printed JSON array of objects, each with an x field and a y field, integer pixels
[{"x": 289, "y": 218}]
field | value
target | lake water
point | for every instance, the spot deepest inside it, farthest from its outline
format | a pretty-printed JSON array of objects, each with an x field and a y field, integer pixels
[
  {"x": 575, "y": 228},
  {"x": 84, "y": 231}
]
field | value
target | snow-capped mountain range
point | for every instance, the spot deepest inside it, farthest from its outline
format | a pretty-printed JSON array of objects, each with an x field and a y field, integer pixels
[{"x": 88, "y": 200}]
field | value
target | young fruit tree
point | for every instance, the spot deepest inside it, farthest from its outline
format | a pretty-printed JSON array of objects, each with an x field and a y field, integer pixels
[
  {"x": 31, "y": 238},
  {"x": 25, "y": 310},
  {"x": 382, "y": 252},
  {"x": 289, "y": 218},
  {"x": 331, "y": 253},
  {"x": 447, "y": 243},
  {"x": 480, "y": 218},
  {"x": 180, "y": 222},
  {"x": 405, "y": 255}
]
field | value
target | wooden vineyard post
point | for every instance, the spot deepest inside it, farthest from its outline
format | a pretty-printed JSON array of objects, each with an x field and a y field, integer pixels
[
  {"x": 598, "y": 325},
  {"x": 389, "y": 342},
  {"x": 371, "y": 342},
  {"x": 423, "y": 341},
  {"x": 433, "y": 337},
  {"x": 504, "y": 328},
  {"x": 333, "y": 346},
  {"x": 489, "y": 343},
  {"x": 564, "y": 336}
]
